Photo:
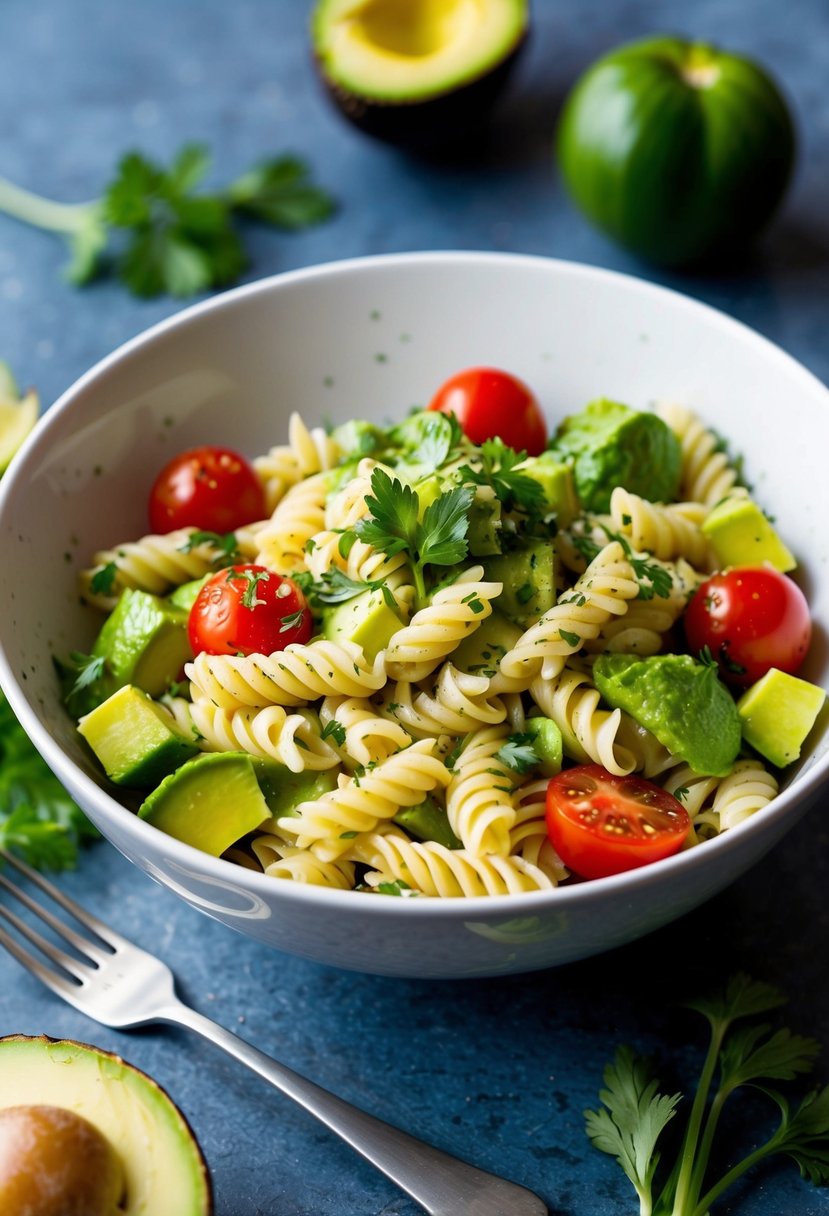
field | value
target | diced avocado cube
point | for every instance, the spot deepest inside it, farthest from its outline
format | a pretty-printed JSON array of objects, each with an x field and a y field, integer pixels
[
  {"x": 612, "y": 445},
  {"x": 528, "y": 576},
  {"x": 480, "y": 652},
  {"x": 184, "y": 596},
  {"x": 741, "y": 535},
  {"x": 777, "y": 714},
  {"x": 366, "y": 620},
  {"x": 556, "y": 479},
  {"x": 135, "y": 741},
  {"x": 547, "y": 742},
  {"x": 484, "y": 528},
  {"x": 283, "y": 790},
  {"x": 209, "y": 803},
  {"x": 358, "y": 438},
  {"x": 144, "y": 642},
  {"x": 428, "y": 821},
  {"x": 428, "y": 489}
]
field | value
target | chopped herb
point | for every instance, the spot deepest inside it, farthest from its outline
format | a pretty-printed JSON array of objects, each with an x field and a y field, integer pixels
[
  {"x": 519, "y": 753},
  {"x": 253, "y": 578},
  {"x": 334, "y": 730},
  {"x": 514, "y": 489},
  {"x": 348, "y": 835},
  {"x": 397, "y": 887},
  {"x": 291, "y": 621},
  {"x": 103, "y": 580},
  {"x": 225, "y": 542},
  {"x": 572, "y": 639},
  {"x": 525, "y": 593},
  {"x": 682, "y": 793}
]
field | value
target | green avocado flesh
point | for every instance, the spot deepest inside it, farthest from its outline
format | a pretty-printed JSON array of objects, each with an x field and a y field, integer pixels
[
  {"x": 777, "y": 714},
  {"x": 613, "y": 445},
  {"x": 209, "y": 803},
  {"x": 367, "y": 620},
  {"x": 680, "y": 701},
  {"x": 283, "y": 790},
  {"x": 417, "y": 72},
  {"x": 428, "y": 821},
  {"x": 528, "y": 577},
  {"x": 144, "y": 642},
  {"x": 164, "y": 1171},
  {"x": 135, "y": 741}
]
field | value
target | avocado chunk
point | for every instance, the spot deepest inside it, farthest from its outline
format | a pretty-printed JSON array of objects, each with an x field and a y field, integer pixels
[
  {"x": 483, "y": 534},
  {"x": 154, "y": 1147},
  {"x": 135, "y": 741},
  {"x": 679, "y": 700},
  {"x": 184, "y": 596},
  {"x": 548, "y": 743},
  {"x": 428, "y": 821},
  {"x": 144, "y": 642},
  {"x": 612, "y": 445},
  {"x": 480, "y": 652},
  {"x": 419, "y": 73},
  {"x": 556, "y": 479},
  {"x": 367, "y": 620},
  {"x": 741, "y": 535},
  {"x": 528, "y": 576},
  {"x": 210, "y": 802},
  {"x": 358, "y": 438},
  {"x": 283, "y": 790},
  {"x": 777, "y": 714}
]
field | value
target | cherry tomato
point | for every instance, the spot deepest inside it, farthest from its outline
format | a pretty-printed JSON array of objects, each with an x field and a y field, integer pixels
[
  {"x": 601, "y": 824},
  {"x": 214, "y": 489},
  {"x": 489, "y": 403},
  {"x": 751, "y": 618},
  {"x": 248, "y": 610}
]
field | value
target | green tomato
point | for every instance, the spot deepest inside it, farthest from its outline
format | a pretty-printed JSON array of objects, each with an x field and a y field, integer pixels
[{"x": 677, "y": 150}]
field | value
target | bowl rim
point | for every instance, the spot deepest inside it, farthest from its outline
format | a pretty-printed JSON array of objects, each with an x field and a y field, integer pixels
[{"x": 500, "y": 907}]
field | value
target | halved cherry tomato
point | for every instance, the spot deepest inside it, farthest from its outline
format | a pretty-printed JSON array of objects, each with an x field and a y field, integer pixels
[
  {"x": 489, "y": 403},
  {"x": 751, "y": 618},
  {"x": 601, "y": 824},
  {"x": 214, "y": 489},
  {"x": 248, "y": 610}
]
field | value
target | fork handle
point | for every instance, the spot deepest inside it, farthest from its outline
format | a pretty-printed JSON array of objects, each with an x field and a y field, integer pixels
[{"x": 442, "y": 1185}]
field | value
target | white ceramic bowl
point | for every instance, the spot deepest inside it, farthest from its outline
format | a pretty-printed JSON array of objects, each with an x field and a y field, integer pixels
[{"x": 370, "y": 338}]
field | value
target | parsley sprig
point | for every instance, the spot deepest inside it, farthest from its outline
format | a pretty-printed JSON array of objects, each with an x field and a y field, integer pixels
[
  {"x": 161, "y": 235},
  {"x": 653, "y": 578},
  {"x": 514, "y": 489},
  {"x": 634, "y": 1114},
  {"x": 393, "y": 525},
  {"x": 519, "y": 752}
]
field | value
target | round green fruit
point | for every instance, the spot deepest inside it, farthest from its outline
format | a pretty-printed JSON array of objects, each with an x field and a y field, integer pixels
[{"x": 678, "y": 150}]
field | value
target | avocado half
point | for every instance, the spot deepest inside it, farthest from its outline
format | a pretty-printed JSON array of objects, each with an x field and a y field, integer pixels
[
  {"x": 419, "y": 73},
  {"x": 164, "y": 1170}
]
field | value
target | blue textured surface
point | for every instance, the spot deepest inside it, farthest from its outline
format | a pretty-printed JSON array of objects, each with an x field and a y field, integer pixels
[{"x": 496, "y": 1071}]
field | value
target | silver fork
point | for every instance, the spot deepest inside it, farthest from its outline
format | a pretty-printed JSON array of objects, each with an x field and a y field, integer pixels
[{"x": 121, "y": 985}]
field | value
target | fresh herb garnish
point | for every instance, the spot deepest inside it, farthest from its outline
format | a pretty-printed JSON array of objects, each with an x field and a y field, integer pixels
[
  {"x": 224, "y": 542},
  {"x": 334, "y": 730},
  {"x": 175, "y": 240},
  {"x": 38, "y": 819},
  {"x": 393, "y": 525},
  {"x": 249, "y": 598},
  {"x": 83, "y": 681},
  {"x": 397, "y": 887},
  {"x": 518, "y": 753},
  {"x": 290, "y": 622},
  {"x": 336, "y": 587},
  {"x": 103, "y": 580},
  {"x": 514, "y": 489},
  {"x": 634, "y": 1113}
]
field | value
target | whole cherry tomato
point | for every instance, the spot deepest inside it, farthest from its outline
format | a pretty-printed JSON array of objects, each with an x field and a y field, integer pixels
[
  {"x": 751, "y": 618},
  {"x": 601, "y": 824},
  {"x": 248, "y": 610},
  {"x": 214, "y": 489},
  {"x": 489, "y": 403}
]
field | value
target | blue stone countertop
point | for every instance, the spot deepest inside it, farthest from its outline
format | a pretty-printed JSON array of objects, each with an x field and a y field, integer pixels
[{"x": 497, "y": 1071}]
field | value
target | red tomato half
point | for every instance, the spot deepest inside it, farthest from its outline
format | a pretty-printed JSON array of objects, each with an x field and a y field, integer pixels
[
  {"x": 248, "y": 610},
  {"x": 600, "y": 824},
  {"x": 214, "y": 489},
  {"x": 751, "y": 618},
  {"x": 489, "y": 403}
]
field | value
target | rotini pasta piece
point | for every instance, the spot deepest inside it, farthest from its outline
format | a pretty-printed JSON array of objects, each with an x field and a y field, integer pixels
[
  {"x": 652, "y": 757},
  {"x": 571, "y": 544},
  {"x": 363, "y": 564},
  {"x": 529, "y": 838},
  {"x": 429, "y": 868},
  {"x": 155, "y": 563},
  {"x": 588, "y": 732},
  {"x": 329, "y": 824},
  {"x": 479, "y": 798},
  {"x": 307, "y": 452},
  {"x": 369, "y": 738},
  {"x": 297, "y": 518},
  {"x": 348, "y": 504},
  {"x": 291, "y": 739},
  {"x": 716, "y": 804},
  {"x": 433, "y": 633},
  {"x": 666, "y": 530},
  {"x": 602, "y": 592},
  {"x": 281, "y": 860},
  {"x": 643, "y": 627},
  {"x": 707, "y": 474},
  {"x": 293, "y": 676},
  {"x": 454, "y": 705}
]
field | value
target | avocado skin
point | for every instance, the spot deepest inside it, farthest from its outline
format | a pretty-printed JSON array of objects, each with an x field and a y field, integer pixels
[
  {"x": 115, "y": 1064},
  {"x": 438, "y": 125}
]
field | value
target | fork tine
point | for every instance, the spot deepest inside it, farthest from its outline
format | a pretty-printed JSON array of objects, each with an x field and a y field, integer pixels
[
  {"x": 70, "y": 965},
  {"x": 82, "y": 944},
  {"x": 108, "y": 936},
  {"x": 52, "y": 979}
]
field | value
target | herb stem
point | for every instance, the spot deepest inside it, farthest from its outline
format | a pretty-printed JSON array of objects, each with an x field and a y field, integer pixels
[
  {"x": 684, "y": 1196},
  {"x": 702, "y": 1157},
  {"x": 43, "y": 212},
  {"x": 704, "y": 1205}
]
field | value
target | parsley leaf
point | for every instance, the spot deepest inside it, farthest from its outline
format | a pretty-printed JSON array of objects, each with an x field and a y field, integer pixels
[
  {"x": 514, "y": 489},
  {"x": 103, "y": 580},
  {"x": 225, "y": 542},
  {"x": 519, "y": 753},
  {"x": 334, "y": 730},
  {"x": 249, "y": 598},
  {"x": 170, "y": 237}
]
